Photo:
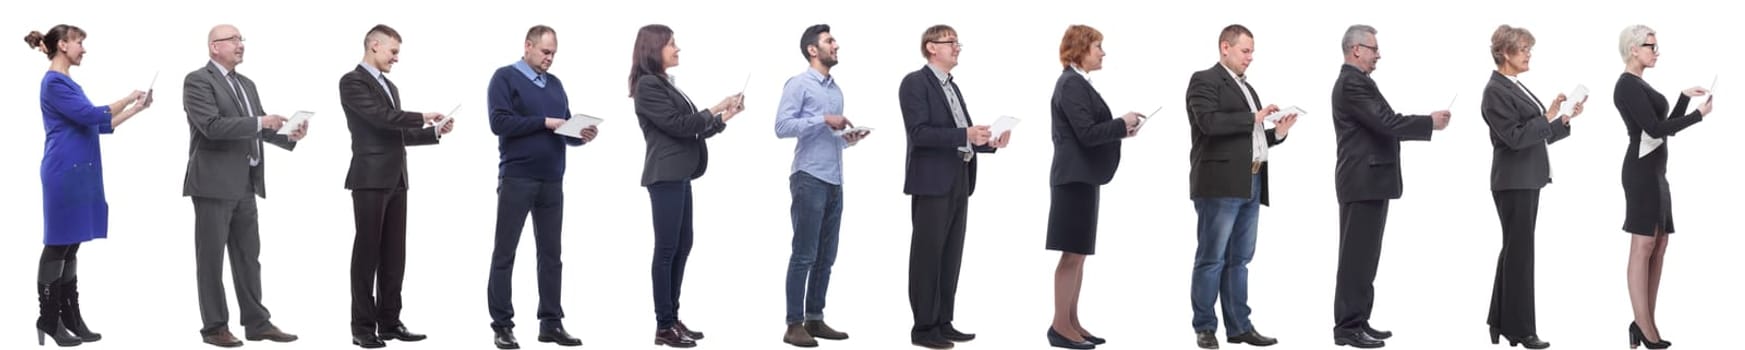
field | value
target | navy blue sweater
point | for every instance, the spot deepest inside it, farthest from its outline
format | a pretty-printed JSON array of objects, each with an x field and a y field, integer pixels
[{"x": 518, "y": 111}]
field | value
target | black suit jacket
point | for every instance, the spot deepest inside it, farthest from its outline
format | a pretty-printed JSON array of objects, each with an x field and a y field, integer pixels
[
  {"x": 1519, "y": 133},
  {"x": 380, "y": 132},
  {"x": 1222, "y": 130},
  {"x": 222, "y": 136},
  {"x": 1369, "y": 133},
  {"x": 673, "y": 130},
  {"x": 933, "y": 136},
  {"x": 1087, "y": 137}
]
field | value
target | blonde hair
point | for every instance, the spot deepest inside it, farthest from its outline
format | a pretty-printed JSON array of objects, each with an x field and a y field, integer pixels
[{"x": 1631, "y": 38}]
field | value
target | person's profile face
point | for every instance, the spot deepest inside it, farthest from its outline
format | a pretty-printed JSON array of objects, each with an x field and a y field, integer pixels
[
  {"x": 386, "y": 52},
  {"x": 1239, "y": 55},
  {"x": 826, "y": 49},
  {"x": 74, "y": 49},
  {"x": 946, "y": 48},
  {"x": 229, "y": 48},
  {"x": 1093, "y": 59},
  {"x": 1649, "y": 52},
  {"x": 670, "y": 53}
]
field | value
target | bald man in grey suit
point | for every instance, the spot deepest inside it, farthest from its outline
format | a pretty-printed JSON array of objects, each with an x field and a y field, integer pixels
[{"x": 226, "y": 170}]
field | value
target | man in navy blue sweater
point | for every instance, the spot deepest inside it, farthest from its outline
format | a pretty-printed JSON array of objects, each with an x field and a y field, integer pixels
[{"x": 527, "y": 104}]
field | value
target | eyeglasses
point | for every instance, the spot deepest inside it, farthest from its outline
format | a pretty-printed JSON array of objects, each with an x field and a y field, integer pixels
[
  {"x": 953, "y": 43},
  {"x": 1371, "y": 48},
  {"x": 238, "y": 38},
  {"x": 1652, "y": 46}
]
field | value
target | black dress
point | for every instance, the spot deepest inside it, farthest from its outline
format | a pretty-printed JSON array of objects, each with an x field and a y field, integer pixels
[{"x": 1647, "y": 196}]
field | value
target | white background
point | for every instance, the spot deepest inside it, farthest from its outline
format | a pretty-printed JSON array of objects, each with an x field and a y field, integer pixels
[{"x": 1433, "y": 287}]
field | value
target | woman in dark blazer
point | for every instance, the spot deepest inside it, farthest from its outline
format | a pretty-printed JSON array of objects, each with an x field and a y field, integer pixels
[
  {"x": 1087, "y": 150},
  {"x": 1647, "y": 196},
  {"x": 1521, "y": 127},
  {"x": 674, "y": 130},
  {"x": 74, "y": 208}
]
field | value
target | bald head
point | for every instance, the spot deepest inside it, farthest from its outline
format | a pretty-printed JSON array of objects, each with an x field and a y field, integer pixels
[{"x": 225, "y": 44}]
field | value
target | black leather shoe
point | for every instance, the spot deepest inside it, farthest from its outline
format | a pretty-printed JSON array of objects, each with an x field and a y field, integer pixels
[
  {"x": 952, "y": 334},
  {"x": 1206, "y": 339},
  {"x": 1530, "y": 342},
  {"x": 672, "y": 336},
  {"x": 1060, "y": 341},
  {"x": 1377, "y": 334},
  {"x": 1254, "y": 338},
  {"x": 932, "y": 342},
  {"x": 504, "y": 338},
  {"x": 272, "y": 334},
  {"x": 694, "y": 335},
  {"x": 1094, "y": 339},
  {"x": 399, "y": 333},
  {"x": 1357, "y": 339},
  {"x": 367, "y": 341},
  {"x": 559, "y": 336}
]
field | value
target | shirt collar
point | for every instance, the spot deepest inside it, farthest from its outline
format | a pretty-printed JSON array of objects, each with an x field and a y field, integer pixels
[
  {"x": 527, "y": 70},
  {"x": 1081, "y": 72},
  {"x": 372, "y": 69},
  {"x": 221, "y": 70},
  {"x": 1241, "y": 78},
  {"x": 822, "y": 79},
  {"x": 944, "y": 78}
]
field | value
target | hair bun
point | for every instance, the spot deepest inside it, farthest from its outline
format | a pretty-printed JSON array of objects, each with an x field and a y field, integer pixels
[{"x": 34, "y": 39}]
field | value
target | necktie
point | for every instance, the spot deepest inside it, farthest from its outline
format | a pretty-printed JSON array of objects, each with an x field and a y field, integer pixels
[
  {"x": 1258, "y": 135},
  {"x": 254, "y": 158},
  {"x": 958, "y": 118}
]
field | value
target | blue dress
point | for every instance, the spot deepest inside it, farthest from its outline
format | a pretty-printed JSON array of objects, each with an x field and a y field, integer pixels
[{"x": 73, "y": 207}]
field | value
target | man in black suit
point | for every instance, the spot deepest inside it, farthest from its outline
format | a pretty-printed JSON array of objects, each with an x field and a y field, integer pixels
[
  {"x": 380, "y": 132},
  {"x": 226, "y": 171},
  {"x": 1228, "y": 127},
  {"x": 1367, "y": 176},
  {"x": 940, "y": 176}
]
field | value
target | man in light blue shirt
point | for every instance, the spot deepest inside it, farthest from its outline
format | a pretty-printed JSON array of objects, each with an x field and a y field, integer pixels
[{"x": 811, "y": 111}]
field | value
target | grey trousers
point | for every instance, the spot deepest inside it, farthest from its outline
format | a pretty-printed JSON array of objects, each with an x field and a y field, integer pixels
[{"x": 232, "y": 224}]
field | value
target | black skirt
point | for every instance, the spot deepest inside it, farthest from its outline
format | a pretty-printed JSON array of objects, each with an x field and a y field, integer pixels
[{"x": 1072, "y": 218}]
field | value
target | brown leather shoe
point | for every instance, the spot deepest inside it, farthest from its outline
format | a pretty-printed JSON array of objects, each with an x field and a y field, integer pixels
[
  {"x": 823, "y": 331},
  {"x": 797, "y": 336},
  {"x": 222, "y": 338},
  {"x": 272, "y": 333}
]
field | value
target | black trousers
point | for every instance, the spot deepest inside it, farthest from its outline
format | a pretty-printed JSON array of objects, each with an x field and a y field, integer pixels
[
  {"x": 516, "y": 198},
  {"x": 936, "y": 255},
  {"x": 378, "y": 259},
  {"x": 1512, "y": 293},
  {"x": 1360, "y": 230},
  {"x": 670, "y": 204}
]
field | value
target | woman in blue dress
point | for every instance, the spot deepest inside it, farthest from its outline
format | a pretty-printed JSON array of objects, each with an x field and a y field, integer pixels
[{"x": 74, "y": 210}]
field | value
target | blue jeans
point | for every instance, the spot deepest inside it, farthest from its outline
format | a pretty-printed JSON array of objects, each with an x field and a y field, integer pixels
[
  {"x": 817, "y": 213},
  {"x": 1226, "y": 244}
]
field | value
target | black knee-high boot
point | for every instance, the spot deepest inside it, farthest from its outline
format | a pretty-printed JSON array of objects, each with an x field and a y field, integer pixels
[
  {"x": 48, "y": 300},
  {"x": 71, "y": 318}
]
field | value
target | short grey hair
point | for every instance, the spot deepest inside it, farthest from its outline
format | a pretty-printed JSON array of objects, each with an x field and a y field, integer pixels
[
  {"x": 1633, "y": 37},
  {"x": 1354, "y": 35}
]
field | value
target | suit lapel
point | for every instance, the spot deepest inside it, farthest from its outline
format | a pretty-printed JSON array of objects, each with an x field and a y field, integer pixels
[{"x": 235, "y": 102}]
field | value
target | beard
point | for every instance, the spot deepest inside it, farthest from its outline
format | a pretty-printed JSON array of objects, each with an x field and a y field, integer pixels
[{"x": 828, "y": 61}]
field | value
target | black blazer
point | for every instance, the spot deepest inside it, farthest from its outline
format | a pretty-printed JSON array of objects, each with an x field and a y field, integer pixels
[
  {"x": 1519, "y": 133},
  {"x": 1223, "y": 135},
  {"x": 1369, "y": 134},
  {"x": 380, "y": 132},
  {"x": 673, "y": 130},
  {"x": 933, "y": 136},
  {"x": 1087, "y": 137},
  {"x": 221, "y": 137}
]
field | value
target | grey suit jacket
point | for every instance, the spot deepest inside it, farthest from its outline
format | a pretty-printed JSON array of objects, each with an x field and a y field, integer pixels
[
  {"x": 221, "y": 137},
  {"x": 1519, "y": 134}
]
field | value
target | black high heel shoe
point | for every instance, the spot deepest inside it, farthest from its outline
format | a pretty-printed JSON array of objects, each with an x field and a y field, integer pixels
[
  {"x": 1059, "y": 341},
  {"x": 1530, "y": 341},
  {"x": 1637, "y": 339}
]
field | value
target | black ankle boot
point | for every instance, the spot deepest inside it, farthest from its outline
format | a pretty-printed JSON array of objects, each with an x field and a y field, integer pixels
[
  {"x": 70, "y": 316},
  {"x": 48, "y": 320}
]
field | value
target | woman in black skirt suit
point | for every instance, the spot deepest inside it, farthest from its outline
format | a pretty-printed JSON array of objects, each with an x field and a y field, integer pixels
[
  {"x": 1087, "y": 149},
  {"x": 1647, "y": 198}
]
